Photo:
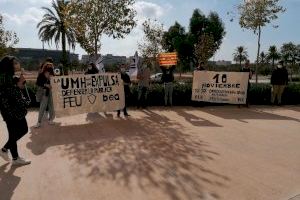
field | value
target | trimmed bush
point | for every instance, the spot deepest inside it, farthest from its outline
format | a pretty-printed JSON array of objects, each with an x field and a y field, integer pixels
[{"x": 259, "y": 94}]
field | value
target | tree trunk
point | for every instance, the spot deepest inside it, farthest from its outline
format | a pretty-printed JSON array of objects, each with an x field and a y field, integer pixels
[
  {"x": 96, "y": 47},
  {"x": 64, "y": 52},
  {"x": 273, "y": 61},
  {"x": 257, "y": 58}
]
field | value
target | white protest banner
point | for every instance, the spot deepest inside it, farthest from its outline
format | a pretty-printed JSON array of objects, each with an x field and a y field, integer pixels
[
  {"x": 220, "y": 87},
  {"x": 79, "y": 94}
]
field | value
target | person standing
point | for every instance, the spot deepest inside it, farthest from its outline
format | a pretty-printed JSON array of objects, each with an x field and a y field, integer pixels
[
  {"x": 246, "y": 68},
  {"x": 43, "y": 81},
  {"x": 279, "y": 80},
  {"x": 126, "y": 81},
  {"x": 144, "y": 84},
  {"x": 167, "y": 79},
  {"x": 13, "y": 106},
  {"x": 92, "y": 69},
  {"x": 200, "y": 67}
]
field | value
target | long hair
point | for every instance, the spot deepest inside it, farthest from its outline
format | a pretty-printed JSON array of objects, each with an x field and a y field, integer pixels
[{"x": 7, "y": 70}]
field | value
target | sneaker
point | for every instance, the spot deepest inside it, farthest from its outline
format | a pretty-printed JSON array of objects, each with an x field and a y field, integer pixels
[
  {"x": 126, "y": 115},
  {"x": 21, "y": 161},
  {"x": 38, "y": 125},
  {"x": 4, "y": 155}
]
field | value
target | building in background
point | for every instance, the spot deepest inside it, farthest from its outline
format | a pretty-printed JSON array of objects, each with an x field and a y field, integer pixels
[
  {"x": 108, "y": 59},
  {"x": 32, "y": 58},
  {"x": 223, "y": 63}
]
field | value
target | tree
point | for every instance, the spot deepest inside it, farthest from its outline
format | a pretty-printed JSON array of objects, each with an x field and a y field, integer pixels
[
  {"x": 256, "y": 14},
  {"x": 152, "y": 41},
  {"x": 173, "y": 37},
  {"x": 289, "y": 53},
  {"x": 263, "y": 58},
  {"x": 91, "y": 19},
  {"x": 273, "y": 55},
  {"x": 188, "y": 44},
  {"x": 55, "y": 26},
  {"x": 205, "y": 48},
  {"x": 7, "y": 39},
  {"x": 176, "y": 39},
  {"x": 240, "y": 55},
  {"x": 211, "y": 26}
]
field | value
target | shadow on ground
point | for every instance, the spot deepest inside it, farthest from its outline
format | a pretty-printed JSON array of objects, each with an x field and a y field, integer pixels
[
  {"x": 195, "y": 120},
  {"x": 151, "y": 152},
  {"x": 8, "y": 181},
  {"x": 243, "y": 114}
]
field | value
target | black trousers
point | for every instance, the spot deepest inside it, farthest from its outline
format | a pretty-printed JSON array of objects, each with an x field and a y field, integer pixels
[
  {"x": 127, "y": 96},
  {"x": 16, "y": 130},
  {"x": 142, "y": 97}
]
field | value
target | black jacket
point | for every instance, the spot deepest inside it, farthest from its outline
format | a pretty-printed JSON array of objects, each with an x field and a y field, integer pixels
[
  {"x": 279, "y": 77},
  {"x": 13, "y": 104},
  {"x": 126, "y": 79},
  {"x": 167, "y": 76},
  {"x": 92, "y": 71},
  {"x": 41, "y": 81}
]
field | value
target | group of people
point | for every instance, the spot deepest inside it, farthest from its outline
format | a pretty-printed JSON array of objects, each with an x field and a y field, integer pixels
[
  {"x": 14, "y": 104},
  {"x": 143, "y": 77},
  {"x": 279, "y": 81}
]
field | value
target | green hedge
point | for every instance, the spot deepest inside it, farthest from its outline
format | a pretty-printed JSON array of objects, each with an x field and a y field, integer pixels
[{"x": 260, "y": 94}]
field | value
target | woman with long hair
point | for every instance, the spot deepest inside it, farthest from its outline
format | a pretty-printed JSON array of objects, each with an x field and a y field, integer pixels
[
  {"x": 13, "y": 106},
  {"x": 43, "y": 81}
]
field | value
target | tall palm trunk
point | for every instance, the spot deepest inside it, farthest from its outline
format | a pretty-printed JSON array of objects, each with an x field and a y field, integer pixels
[
  {"x": 64, "y": 52},
  {"x": 240, "y": 61},
  {"x": 257, "y": 58}
]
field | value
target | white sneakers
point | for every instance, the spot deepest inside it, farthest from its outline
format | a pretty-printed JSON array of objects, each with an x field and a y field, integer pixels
[
  {"x": 21, "y": 161},
  {"x": 4, "y": 155},
  {"x": 18, "y": 161},
  {"x": 38, "y": 125}
]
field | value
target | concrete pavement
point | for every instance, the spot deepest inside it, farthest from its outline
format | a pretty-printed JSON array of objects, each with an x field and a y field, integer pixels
[{"x": 210, "y": 153}]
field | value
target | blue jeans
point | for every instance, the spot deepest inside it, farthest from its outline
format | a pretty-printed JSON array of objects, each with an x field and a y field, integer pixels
[
  {"x": 168, "y": 93},
  {"x": 46, "y": 102}
]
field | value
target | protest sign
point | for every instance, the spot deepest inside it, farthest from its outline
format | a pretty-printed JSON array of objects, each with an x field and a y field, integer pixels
[
  {"x": 79, "y": 94},
  {"x": 220, "y": 87},
  {"x": 167, "y": 59}
]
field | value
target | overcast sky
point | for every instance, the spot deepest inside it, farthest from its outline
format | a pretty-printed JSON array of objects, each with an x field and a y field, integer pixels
[{"x": 22, "y": 17}]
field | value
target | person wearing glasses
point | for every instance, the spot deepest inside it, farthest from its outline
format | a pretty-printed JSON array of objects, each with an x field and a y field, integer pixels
[{"x": 13, "y": 106}]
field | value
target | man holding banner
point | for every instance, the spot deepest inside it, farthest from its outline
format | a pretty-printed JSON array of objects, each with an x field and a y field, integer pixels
[
  {"x": 246, "y": 68},
  {"x": 126, "y": 81},
  {"x": 167, "y": 79},
  {"x": 167, "y": 62}
]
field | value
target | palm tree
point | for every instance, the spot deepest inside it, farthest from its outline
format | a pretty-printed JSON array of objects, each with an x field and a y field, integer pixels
[
  {"x": 273, "y": 54},
  {"x": 240, "y": 54},
  {"x": 54, "y": 27},
  {"x": 262, "y": 58}
]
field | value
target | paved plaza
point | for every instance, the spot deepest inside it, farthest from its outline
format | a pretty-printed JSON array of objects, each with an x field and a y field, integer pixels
[{"x": 179, "y": 153}]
